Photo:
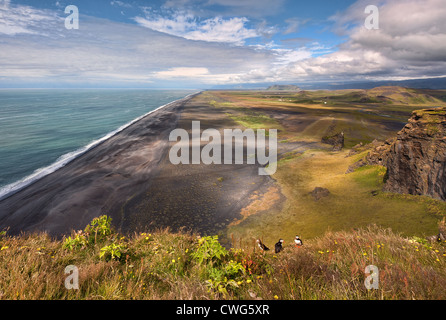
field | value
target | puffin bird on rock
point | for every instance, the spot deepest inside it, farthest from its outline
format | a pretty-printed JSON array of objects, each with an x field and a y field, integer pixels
[
  {"x": 298, "y": 242},
  {"x": 262, "y": 246},
  {"x": 278, "y": 246}
]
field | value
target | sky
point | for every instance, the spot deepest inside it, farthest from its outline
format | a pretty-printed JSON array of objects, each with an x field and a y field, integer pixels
[{"x": 206, "y": 43}]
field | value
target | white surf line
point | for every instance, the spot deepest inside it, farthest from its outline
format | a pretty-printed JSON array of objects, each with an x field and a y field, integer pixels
[{"x": 64, "y": 159}]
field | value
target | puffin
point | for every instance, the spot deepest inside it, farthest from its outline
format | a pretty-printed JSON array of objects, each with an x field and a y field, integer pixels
[
  {"x": 298, "y": 242},
  {"x": 278, "y": 246},
  {"x": 262, "y": 246}
]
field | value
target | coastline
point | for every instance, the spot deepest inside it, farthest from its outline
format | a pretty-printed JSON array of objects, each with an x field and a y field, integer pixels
[
  {"x": 9, "y": 189},
  {"x": 49, "y": 203},
  {"x": 129, "y": 177}
]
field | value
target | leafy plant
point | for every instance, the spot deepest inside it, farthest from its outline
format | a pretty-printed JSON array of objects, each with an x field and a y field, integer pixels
[
  {"x": 225, "y": 276},
  {"x": 78, "y": 241},
  {"x": 209, "y": 250},
  {"x": 99, "y": 229},
  {"x": 112, "y": 252}
]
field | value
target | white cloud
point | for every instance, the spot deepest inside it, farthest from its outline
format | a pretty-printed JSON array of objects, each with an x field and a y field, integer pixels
[
  {"x": 229, "y": 8},
  {"x": 410, "y": 43},
  {"x": 24, "y": 19},
  {"x": 181, "y": 72},
  {"x": 215, "y": 29},
  {"x": 120, "y": 4},
  {"x": 102, "y": 52}
]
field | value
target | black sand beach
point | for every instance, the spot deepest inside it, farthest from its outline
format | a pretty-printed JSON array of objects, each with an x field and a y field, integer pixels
[{"x": 130, "y": 178}]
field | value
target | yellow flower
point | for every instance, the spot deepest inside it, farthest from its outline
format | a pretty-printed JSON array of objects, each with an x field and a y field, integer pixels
[
  {"x": 248, "y": 281},
  {"x": 437, "y": 260},
  {"x": 276, "y": 297},
  {"x": 147, "y": 238},
  {"x": 364, "y": 254},
  {"x": 173, "y": 260},
  {"x": 4, "y": 248}
]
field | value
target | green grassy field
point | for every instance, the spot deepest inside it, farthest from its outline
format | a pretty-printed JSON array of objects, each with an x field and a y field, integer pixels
[{"x": 355, "y": 199}]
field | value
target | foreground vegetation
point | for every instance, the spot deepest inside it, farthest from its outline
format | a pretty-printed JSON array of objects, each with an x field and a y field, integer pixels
[{"x": 165, "y": 265}]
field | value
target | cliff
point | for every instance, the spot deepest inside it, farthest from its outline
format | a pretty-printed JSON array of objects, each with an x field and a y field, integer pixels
[
  {"x": 416, "y": 159},
  {"x": 416, "y": 162}
]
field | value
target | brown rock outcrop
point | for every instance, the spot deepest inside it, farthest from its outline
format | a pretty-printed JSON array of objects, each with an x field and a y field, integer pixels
[
  {"x": 336, "y": 140},
  {"x": 416, "y": 160}
]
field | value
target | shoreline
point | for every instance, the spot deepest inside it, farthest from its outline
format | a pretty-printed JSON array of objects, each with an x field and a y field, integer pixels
[
  {"x": 68, "y": 197},
  {"x": 14, "y": 187},
  {"x": 130, "y": 178}
]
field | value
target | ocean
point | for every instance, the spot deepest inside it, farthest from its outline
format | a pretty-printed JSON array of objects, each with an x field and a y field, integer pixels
[{"x": 43, "y": 129}]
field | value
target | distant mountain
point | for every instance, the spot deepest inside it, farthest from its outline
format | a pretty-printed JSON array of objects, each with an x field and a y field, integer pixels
[
  {"x": 283, "y": 87},
  {"x": 430, "y": 83}
]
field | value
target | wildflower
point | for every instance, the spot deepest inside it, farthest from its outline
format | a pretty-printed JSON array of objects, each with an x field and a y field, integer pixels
[
  {"x": 147, "y": 238},
  {"x": 437, "y": 260},
  {"x": 4, "y": 248},
  {"x": 173, "y": 260},
  {"x": 276, "y": 297},
  {"x": 239, "y": 282},
  {"x": 364, "y": 254},
  {"x": 248, "y": 281}
]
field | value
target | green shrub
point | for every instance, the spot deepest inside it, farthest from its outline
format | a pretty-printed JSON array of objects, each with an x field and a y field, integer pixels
[
  {"x": 99, "y": 229},
  {"x": 78, "y": 241},
  {"x": 209, "y": 250},
  {"x": 112, "y": 252}
]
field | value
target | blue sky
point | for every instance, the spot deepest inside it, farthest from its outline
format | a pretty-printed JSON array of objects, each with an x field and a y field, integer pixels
[{"x": 203, "y": 43}]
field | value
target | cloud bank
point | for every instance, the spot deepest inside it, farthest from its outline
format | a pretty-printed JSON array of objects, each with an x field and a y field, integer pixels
[{"x": 182, "y": 48}]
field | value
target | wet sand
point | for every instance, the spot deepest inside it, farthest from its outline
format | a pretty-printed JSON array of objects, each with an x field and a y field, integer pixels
[{"x": 130, "y": 178}]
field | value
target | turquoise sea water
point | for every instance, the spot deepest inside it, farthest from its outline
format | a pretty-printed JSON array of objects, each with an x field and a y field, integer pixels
[{"x": 42, "y": 129}]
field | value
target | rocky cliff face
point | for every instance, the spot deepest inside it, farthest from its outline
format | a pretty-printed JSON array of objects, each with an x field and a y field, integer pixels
[{"x": 416, "y": 160}]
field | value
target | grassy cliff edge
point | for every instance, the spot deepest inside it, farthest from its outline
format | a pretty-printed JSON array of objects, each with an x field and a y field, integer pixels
[{"x": 165, "y": 265}]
